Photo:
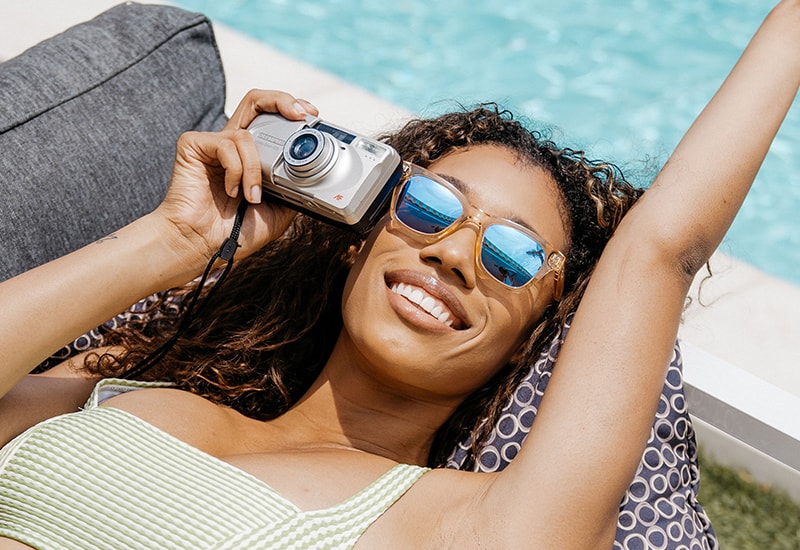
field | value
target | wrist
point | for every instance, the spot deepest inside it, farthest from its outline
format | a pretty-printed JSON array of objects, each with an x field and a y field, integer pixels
[{"x": 168, "y": 255}]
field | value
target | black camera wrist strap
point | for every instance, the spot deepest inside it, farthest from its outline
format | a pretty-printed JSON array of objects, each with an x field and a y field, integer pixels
[{"x": 225, "y": 253}]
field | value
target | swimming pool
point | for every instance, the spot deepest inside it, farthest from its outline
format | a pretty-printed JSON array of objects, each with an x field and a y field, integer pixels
[{"x": 622, "y": 79}]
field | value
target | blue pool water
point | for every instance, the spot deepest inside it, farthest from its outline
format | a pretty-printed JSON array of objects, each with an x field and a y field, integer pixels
[{"x": 622, "y": 79}]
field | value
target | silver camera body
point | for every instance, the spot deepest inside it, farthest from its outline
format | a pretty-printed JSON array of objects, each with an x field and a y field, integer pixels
[{"x": 324, "y": 170}]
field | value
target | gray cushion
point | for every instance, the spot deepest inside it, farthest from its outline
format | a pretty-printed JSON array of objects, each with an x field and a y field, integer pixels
[{"x": 88, "y": 124}]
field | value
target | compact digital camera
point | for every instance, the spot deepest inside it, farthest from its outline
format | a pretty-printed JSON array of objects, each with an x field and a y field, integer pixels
[{"x": 325, "y": 170}]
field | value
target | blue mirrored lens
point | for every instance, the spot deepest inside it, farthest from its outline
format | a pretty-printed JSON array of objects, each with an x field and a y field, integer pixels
[
  {"x": 427, "y": 206},
  {"x": 510, "y": 256}
]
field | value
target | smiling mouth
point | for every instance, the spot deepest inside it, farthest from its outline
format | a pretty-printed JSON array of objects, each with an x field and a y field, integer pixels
[
  {"x": 433, "y": 306},
  {"x": 428, "y": 296}
]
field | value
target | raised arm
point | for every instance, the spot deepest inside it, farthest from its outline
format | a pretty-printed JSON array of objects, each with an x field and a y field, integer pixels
[
  {"x": 51, "y": 305},
  {"x": 595, "y": 418}
]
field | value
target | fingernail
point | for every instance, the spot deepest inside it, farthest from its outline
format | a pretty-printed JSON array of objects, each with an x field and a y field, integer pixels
[
  {"x": 255, "y": 194},
  {"x": 299, "y": 109},
  {"x": 234, "y": 192}
]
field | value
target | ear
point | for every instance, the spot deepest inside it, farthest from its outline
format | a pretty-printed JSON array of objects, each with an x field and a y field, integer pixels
[{"x": 352, "y": 253}]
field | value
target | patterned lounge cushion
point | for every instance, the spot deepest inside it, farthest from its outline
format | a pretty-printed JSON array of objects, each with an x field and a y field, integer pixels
[{"x": 660, "y": 508}]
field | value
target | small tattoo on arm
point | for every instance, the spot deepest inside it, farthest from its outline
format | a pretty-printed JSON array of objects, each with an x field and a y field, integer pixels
[{"x": 106, "y": 238}]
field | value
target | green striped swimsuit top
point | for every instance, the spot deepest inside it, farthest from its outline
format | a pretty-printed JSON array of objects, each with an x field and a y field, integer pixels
[{"x": 104, "y": 478}]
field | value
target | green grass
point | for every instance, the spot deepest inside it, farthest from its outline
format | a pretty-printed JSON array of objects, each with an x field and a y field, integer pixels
[{"x": 745, "y": 514}]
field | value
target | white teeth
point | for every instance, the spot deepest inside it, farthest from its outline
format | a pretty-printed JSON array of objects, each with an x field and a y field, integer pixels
[{"x": 427, "y": 302}]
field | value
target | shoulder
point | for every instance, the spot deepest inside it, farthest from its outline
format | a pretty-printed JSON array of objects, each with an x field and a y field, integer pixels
[{"x": 184, "y": 415}]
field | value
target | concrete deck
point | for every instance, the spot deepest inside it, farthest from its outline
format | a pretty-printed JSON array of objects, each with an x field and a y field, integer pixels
[{"x": 751, "y": 321}]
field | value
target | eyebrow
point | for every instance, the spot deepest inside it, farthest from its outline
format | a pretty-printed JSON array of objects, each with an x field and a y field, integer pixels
[{"x": 463, "y": 187}]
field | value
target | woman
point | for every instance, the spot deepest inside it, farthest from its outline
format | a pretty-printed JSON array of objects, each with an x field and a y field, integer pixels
[{"x": 426, "y": 324}]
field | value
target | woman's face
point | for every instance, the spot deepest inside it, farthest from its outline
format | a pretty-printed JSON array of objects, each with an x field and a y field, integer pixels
[{"x": 403, "y": 344}]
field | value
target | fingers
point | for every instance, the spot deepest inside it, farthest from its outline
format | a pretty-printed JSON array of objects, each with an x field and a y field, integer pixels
[
  {"x": 238, "y": 156},
  {"x": 234, "y": 152},
  {"x": 241, "y": 161},
  {"x": 256, "y": 102}
]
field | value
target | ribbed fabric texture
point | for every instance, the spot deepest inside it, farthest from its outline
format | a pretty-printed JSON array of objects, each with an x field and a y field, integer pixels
[{"x": 103, "y": 478}]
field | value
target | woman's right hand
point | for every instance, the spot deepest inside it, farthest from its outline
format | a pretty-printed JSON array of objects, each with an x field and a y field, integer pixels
[
  {"x": 214, "y": 170},
  {"x": 166, "y": 248}
]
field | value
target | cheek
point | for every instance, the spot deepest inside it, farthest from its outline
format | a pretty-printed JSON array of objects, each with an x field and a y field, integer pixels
[
  {"x": 350, "y": 284},
  {"x": 513, "y": 318},
  {"x": 517, "y": 310},
  {"x": 367, "y": 250}
]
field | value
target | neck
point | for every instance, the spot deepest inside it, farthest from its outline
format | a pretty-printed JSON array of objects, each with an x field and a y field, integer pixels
[{"x": 348, "y": 406}]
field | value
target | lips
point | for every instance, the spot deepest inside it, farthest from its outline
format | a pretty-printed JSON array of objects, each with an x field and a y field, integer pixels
[{"x": 430, "y": 296}]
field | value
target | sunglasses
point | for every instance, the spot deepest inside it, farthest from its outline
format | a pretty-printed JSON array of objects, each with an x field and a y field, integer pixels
[{"x": 432, "y": 208}]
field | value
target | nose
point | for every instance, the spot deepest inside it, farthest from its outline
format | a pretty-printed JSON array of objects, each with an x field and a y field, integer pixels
[{"x": 455, "y": 253}]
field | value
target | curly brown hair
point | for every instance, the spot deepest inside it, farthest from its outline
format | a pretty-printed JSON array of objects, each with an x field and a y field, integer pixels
[{"x": 260, "y": 341}]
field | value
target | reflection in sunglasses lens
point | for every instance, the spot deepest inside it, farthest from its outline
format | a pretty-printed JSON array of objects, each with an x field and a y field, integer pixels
[
  {"x": 507, "y": 254},
  {"x": 510, "y": 256},
  {"x": 427, "y": 206}
]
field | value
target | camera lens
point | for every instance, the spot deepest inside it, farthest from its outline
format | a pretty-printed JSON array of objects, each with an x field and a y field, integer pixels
[
  {"x": 303, "y": 147},
  {"x": 309, "y": 155}
]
